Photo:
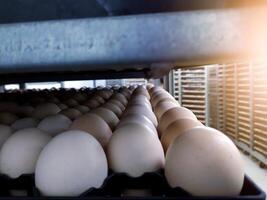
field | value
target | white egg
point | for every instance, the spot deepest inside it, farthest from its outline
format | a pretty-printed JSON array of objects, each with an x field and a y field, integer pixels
[
  {"x": 21, "y": 150},
  {"x": 205, "y": 162},
  {"x": 27, "y": 122},
  {"x": 70, "y": 164},
  {"x": 134, "y": 149},
  {"x": 55, "y": 124}
]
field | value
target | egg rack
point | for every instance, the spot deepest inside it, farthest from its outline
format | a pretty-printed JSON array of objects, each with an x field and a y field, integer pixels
[{"x": 118, "y": 186}]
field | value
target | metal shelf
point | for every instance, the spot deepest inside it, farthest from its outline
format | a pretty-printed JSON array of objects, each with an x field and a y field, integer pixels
[{"x": 128, "y": 43}]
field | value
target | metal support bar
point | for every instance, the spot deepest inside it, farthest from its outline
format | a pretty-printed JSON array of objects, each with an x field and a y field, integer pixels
[
  {"x": 171, "y": 83},
  {"x": 216, "y": 68},
  {"x": 2, "y": 88},
  {"x": 62, "y": 84},
  {"x": 180, "y": 86},
  {"x": 236, "y": 101},
  {"x": 224, "y": 97},
  {"x": 251, "y": 105},
  {"x": 22, "y": 86},
  {"x": 207, "y": 94},
  {"x": 136, "y": 41}
]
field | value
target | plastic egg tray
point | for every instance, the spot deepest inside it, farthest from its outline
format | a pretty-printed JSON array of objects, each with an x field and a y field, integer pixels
[{"x": 118, "y": 185}]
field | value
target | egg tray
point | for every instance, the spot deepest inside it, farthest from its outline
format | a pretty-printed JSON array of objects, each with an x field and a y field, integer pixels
[{"x": 117, "y": 187}]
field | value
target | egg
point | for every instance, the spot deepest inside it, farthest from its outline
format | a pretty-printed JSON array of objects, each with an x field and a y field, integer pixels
[
  {"x": 62, "y": 106},
  {"x": 104, "y": 94},
  {"x": 113, "y": 107},
  {"x": 92, "y": 103},
  {"x": 71, "y": 163},
  {"x": 71, "y": 113},
  {"x": 37, "y": 100},
  {"x": 149, "y": 86},
  {"x": 159, "y": 92},
  {"x": 55, "y": 124},
  {"x": 118, "y": 103},
  {"x": 100, "y": 99},
  {"x": 21, "y": 150},
  {"x": 8, "y": 106},
  {"x": 172, "y": 115},
  {"x": 71, "y": 102},
  {"x": 43, "y": 110},
  {"x": 27, "y": 122},
  {"x": 126, "y": 93},
  {"x": 79, "y": 97},
  {"x": 5, "y": 132},
  {"x": 141, "y": 91},
  {"x": 134, "y": 149},
  {"x": 155, "y": 89},
  {"x": 140, "y": 101},
  {"x": 82, "y": 108},
  {"x": 131, "y": 87},
  {"x": 163, "y": 97},
  {"x": 205, "y": 162},
  {"x": 110, "y": 117},
  {"x": 25, "y": 110},
  {"x": 52, "y": 99},
  {"x": 94, "y": 125},
  {"x": 137, "y": 118},
  {"x": 7, "y": 118},
  {"x": 121, "y": 98},
  {"x": 138, "y": 109},
  {"x": 156, "y": 93},
  {"x": 162, "y": 107},
  {"x": 139, "y": 97},
  {"x": 175, "y": 129}
]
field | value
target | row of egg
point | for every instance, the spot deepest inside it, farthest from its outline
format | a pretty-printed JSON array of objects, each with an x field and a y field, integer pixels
[
  {"x": 20, "y": 150},
  {"x": 201, "y": 160},
  {"x": 133, "y": 148},
  {"x": 47, "y": 119},
  {"x": 39, "y": 104}
]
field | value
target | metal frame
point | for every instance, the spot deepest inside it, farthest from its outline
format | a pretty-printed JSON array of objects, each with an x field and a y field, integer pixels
[
  {"x": 64, "y": 76},
  {"x": 247, "y": 147},
  {"x": 207, "y": 111},
  {"x": 127, "y": 42}
]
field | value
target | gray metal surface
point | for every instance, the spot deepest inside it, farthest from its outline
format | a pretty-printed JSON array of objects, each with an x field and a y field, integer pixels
[
  {"x": 126, "y": 42},
  {"x": 36, "y": 10}
]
